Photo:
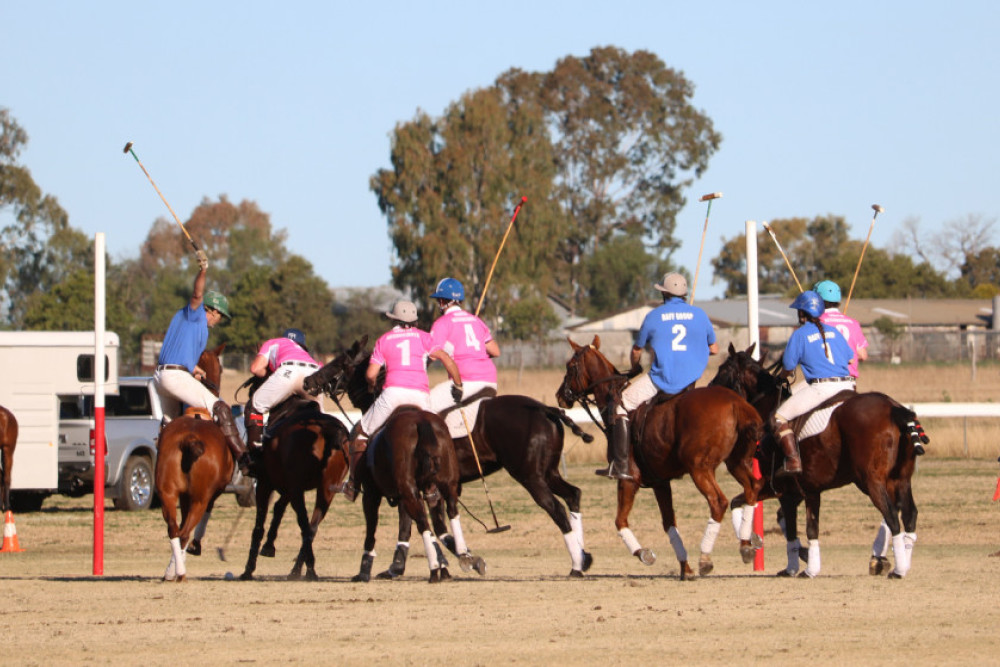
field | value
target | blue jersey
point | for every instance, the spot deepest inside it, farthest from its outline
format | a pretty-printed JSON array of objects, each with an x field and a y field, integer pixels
[
  {"x": 679, "y": 335},
  {"x": 805, "y": 348},
  {"x": 185, "y": 338}
]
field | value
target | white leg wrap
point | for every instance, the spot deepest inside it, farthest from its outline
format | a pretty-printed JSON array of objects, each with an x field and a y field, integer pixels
[
  {"x": 708, "y": 539},
  {"x": 736, "y": 515},
  {"x": 199, "y": 530},
  {"x": 575, "y": 552},
  {"x": 178, "y": 557},
  {"x": 678, "y": 544},
  {"x": 403, "y": 544},
  {"x": 902, "y": 551},
  {"x": 432, "y": 556},
  {"x": 628, "y": 537},
  {"x": 880, "y": 547},
  {"x": 813, "y": 566},
  {"x": 746, "y": 528},
  {"x": 171, "y": 572},
  {"x": 576, "y": 523},
  {"x": 792, "y": 548},
  {"x": 456, "y": 532}
]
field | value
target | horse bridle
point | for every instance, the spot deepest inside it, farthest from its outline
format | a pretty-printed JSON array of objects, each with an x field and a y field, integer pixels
[{"x": 583, "y": 396}]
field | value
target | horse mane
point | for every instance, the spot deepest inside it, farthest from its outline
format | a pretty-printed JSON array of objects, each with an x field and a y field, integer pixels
[{"x": 357, "y": 383}]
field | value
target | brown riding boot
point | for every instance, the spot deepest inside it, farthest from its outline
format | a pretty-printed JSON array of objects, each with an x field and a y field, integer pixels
[
  {"x": 618, "y": 446},
  {"x": 349, "y": 488},
  {"x": 789, "y": 445},
  {"x": 223, "y": 417}
]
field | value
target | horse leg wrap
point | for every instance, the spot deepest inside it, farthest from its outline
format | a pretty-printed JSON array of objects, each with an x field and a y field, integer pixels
[
  {"x": 746, "y": 526},
  {"x": 398, "y": 566},
  {"x": 575, "y": 552},
  {"x": 456, "y": 530},
  {"x": 431, "y": 550},
  {"x": 880, "y": 547},
  {"x": 628, "y": 537},
  {"x": 792, "y": 550},
  {"x": 178, "y": 557},
  {"x": 902, "y": 550},
  {"x": 365, "y": 572},
  {"x": 711, "y": 533},
  {"x": 576, "y": 524},
  {"x": 678, "y": 544},
  {"x": 736, "y": 516},
  {"x": 813, "y": 566}
]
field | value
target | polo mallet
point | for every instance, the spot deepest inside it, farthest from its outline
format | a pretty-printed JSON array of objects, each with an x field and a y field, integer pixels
[
  {"x": 128, "y": 149},
  {"x": 783, "y": 255},
  {"x": 697, "y": 267},
  {"x": 489, "y": 276},
  {"x": 475, "y": 454},
  {"x": 878, "y": 209},
  {"x": 229, "y": 538}
]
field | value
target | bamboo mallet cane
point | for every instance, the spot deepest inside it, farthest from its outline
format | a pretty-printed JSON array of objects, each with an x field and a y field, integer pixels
[
  {"x": 783, "y": 255},
  {"x": 128, "y": 151},
  {"x": 878, "y": 209},
  {"x": 697, "y": 267}
]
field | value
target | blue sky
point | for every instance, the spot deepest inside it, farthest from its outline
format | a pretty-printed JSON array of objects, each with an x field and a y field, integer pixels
[{"x": 823, "y": 107}]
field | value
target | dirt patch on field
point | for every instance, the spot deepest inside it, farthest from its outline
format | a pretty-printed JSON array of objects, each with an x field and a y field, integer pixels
[{"x": 525, "y": 610}]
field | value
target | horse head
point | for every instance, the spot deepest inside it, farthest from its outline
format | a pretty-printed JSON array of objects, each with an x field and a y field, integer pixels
[
  {"x": 588, "y": 372},
  {"x": 210, "y": 361},
  {"x": 332, "y": 378},
  {"x": 739, "y": 371}
]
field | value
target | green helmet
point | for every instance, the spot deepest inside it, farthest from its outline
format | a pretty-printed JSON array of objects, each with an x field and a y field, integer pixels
[{"x": 217, "y": 301}]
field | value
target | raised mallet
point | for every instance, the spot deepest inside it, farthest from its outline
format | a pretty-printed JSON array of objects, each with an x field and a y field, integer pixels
[
  {"x": 783, "y": 255},
  {"x": 128, "y": 149},
  {"x": 489, "y": 276},
  {"x": 697, "y": 267},
  {"x": 878, "y": 209}
]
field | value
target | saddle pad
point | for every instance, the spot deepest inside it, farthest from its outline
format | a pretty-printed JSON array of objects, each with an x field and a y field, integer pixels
[{"x": 816, "y": 422}]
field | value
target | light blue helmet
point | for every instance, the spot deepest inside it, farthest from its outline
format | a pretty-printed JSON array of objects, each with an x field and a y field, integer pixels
[
  {"x": 450, "y": 289},
  {"x": 828, "y": 290},
  {"x": 810, "y": 302}
]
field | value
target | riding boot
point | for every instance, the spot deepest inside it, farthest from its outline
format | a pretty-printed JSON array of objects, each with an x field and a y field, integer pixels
[
  {"x": 618, "y": 454},
  {"x": 223, "y": 417},
  {"x": 255, "y": 434},
  {"x": 789, "y": 445},
  {"x": 349, "y": 488}
]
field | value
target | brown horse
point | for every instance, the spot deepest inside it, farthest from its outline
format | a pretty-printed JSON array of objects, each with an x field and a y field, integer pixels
[
  {"x": 8, "y": 441},
  {"x": 514, "y": 433},
  {"x": 866, "y": 443},
  {"x": 193, "y": 467},
  {"x": 303, "y": 450},
  {"x": 691, "y": 433},
  {"x": 411, "y": 461}
]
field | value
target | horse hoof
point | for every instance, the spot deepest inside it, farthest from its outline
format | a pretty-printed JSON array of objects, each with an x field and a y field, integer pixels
[
  {"x": 784, "y": 573},
  {"x": 645, "y": 556},
  {"x": 435, "y": 577},
  {"x": 445, "y": 575},
  {"x": 479, "y": 565},
  {"x": 294, "y": 575},
  {"x": 705, "y": 566},
  {"x": 361, "y": 578},
  {"x": 311, "y": 575},
  {"x": 575, "y": 574},
  {"x": 267, "y": 551},
  {"x": 804, "y": 574},
  {"x": 194, "y": 548},
  {"x": 893, "y": 575},
  {"x": 246, "y": 576},
  {"x": 387, "y": 574},
  {"x": 756, "y": 541},
  {"x": 180, "y": 578},
  {"x": 877, "y": 565},
  {"x": 465, "y": 562},
  {"x": 588, "y": 560},
  {"x": 687, "y": 574},
  {"x": 747, "y": 553}
]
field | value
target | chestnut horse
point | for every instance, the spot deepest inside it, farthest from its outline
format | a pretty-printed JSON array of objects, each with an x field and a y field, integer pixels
[
  {"x": 8, "y": 441},
  {"x": 866, "y": 443},
  {"x": 691, "y": 433},
  {"x": 514, "y": 433},
  {"x": 193, "y": 467}
]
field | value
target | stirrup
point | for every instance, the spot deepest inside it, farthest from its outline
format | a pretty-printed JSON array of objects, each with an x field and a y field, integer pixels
[
  {"x": 610, "y": 473},
  {"x": 349, "y": 491}
]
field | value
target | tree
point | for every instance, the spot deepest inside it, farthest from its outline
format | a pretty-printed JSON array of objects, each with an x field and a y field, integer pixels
[{"x": 38, "y": 248}]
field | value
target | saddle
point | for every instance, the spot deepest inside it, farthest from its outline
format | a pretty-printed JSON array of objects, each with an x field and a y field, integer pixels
[
  {"x": 197, "y": 413},
  {"x": 815, "y": 421},
  {"x": 639, "y": 415}
]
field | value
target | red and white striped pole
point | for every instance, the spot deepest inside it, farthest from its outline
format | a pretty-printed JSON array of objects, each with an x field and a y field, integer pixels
[
  {"x": 753, "y": 327},
  {"x": 99, "y": 380}
]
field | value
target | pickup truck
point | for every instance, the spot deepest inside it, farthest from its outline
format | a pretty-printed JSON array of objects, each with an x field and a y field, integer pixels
[{"x": 131, "y": 426}]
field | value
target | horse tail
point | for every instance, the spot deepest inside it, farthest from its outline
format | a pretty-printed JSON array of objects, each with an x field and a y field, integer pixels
[
  {"x": 559, "y": 416},
  {"x": 903, "y": 418},
  {"x": 192, "y": 449},
  {"x": 428, "y": 452}
]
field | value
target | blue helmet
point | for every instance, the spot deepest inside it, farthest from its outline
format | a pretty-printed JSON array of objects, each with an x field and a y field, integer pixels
[
  {"x": 810, "y": 302},
  {"x": 828, "y": 290},
  {"x": 295, "y": 335},
  {"x": 450, "y": 289}
]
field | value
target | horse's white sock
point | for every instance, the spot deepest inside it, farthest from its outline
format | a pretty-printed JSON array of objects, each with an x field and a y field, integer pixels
[
  {"x": 708, "y": 539},
  {"x": 178, "y": 556},
  {"x": 746, "y": 528},
  {"x": 880, "y": 547},
  {"x": 813, "y": 566},
  {"x": 432, "y": 556},
  {"x": 792, "y": 549},
  {"x": 678, "y": 544},
  {"x": 628, "y": 537},
  {"x": 456, "y": 532},
  {"x": 575, "y": 552},
  {"x": 199, "y": 530},
  {"x": 736, "y": 516},
  {"x": 576, "y": 523}
]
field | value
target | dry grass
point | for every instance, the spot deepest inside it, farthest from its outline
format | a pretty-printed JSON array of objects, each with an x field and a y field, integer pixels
[{"x": 925, "y": 383}]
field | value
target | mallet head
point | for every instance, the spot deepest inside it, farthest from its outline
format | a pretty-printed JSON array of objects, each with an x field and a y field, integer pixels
[
  {"x": 710, "y": 196},
  {"x": 128, "y": 147},
  {"x": 877, "y": 208}
]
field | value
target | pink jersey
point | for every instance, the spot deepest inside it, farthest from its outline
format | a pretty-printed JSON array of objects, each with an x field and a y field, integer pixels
[
  {"x": 464, "y": 336},
  {"x": 280, "y": 350},
  {"x": 849, "y": 329},
  {"x": 404, "y": 352}
]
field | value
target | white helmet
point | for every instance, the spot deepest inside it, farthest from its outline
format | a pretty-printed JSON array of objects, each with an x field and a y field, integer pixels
[
  {"x": 404, "y": 311},
  {"x": 674, "y": 284}
]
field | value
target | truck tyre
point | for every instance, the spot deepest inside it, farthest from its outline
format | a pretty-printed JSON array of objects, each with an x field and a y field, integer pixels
[
  {"x": 135, "y": 490},
  {"x": 26, "y": 501}
]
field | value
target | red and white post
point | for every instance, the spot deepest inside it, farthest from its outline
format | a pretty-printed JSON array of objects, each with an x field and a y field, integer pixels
[
  {"x": 99, "y": 379},
  {"x": 753, "y": 327}
]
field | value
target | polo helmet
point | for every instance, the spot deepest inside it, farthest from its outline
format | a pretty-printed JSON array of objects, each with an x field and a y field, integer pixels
[
  {"x": 810, "y": 302},
  {"x": 450, "y": 289},
  {"x": 295, "y": 335},
  {"x": 217, "y": 301},
  {"x": 403, "y": 311},
  {"x": 828, "y": 290}
]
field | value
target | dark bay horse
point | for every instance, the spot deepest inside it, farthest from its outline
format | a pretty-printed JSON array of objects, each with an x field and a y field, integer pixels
[
  {"x": 8, "y": 441},
  {"x": 193, "y": 467},
  {"x": 517, "y": 434},
  {"x": 302, "y": 450},
  {"x": 865, "y": 443},
  {"x": 692, "y": 433}
]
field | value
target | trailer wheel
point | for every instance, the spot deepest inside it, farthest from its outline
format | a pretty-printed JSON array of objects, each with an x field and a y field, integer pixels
[{"x": 135, "y": 490}]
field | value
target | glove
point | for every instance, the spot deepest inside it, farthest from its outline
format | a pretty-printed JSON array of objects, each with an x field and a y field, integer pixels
[
  {"x": 456, "y": 392},
  {"x": 202, "y": 259}
]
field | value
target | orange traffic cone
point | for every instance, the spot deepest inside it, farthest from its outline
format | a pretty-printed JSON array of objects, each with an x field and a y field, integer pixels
[{"x": 10, "y": 544}]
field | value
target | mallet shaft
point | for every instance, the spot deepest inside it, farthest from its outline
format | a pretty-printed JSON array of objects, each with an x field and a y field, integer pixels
[
  {"x": 878, "y": 209},
  {"x": 489, "y": 276},
  {"x": 128, "y": 149},
  {"x": 783, "y": 255}
]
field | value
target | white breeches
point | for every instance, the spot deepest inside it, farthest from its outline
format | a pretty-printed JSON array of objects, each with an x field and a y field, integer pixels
[{"x": 178, "y": 386}]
